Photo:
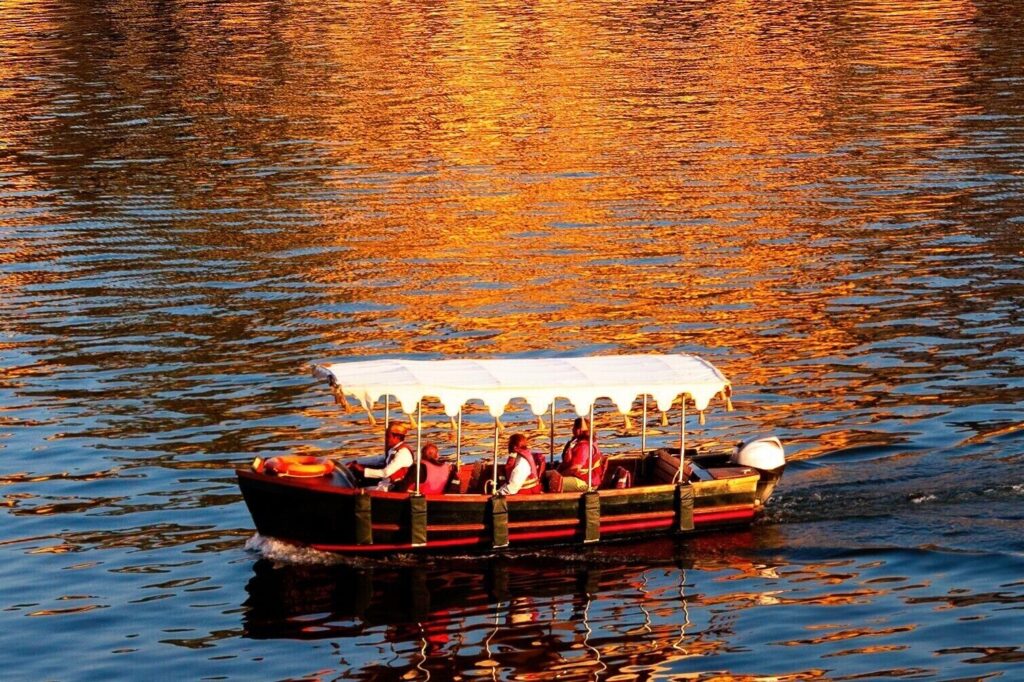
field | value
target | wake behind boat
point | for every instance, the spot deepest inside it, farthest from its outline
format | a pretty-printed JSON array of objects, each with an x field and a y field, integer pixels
[{"x": 319, "y": 503}]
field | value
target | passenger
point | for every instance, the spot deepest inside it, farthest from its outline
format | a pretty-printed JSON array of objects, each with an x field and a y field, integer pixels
[
  {"x": 578, "y": 468},
  {"x": 434, "y": 473},
  {"x": 392, "y": 465},
  {"x": 579, "y": 426},
  {"x": 521, "y": 469}
]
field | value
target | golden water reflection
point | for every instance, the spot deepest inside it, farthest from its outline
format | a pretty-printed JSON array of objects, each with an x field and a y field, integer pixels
[
  {"x": 795, "y": 193},
  {"x": 788, "y": 191}
]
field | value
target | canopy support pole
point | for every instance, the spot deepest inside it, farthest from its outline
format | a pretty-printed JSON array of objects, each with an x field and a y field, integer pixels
[
  {"x": 458, "y": 443},
  {"x": 643, "y": 430},
  {"x": 551, "y": 456},
  {"x": 387, "y": 411},
  {"x": 419, "y": 438},
  {"x": 494, "y": 474},
  {"x": 590, "y": 455},
  {"x": 682, "y": 438}
]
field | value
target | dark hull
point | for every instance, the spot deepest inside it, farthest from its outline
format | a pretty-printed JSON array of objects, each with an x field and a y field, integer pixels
[{"x": 314, "y": 513}]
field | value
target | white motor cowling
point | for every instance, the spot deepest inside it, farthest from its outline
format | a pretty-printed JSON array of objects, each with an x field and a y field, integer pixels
[{"x": 765, "y": 454}]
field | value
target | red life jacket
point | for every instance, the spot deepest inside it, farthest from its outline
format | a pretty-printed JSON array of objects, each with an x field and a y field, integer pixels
[
  {"x": 581, "y": 468},
  {"x": 436, "y": 479},
  {"x": 400, "y": 474},
  {"x": 531, "y": 486}
]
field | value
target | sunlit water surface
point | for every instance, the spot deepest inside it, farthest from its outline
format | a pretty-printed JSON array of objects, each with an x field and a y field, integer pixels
[{"x": 199, "y": 198}]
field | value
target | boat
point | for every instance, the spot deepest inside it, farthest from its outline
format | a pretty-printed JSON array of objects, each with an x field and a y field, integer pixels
[{"x": 678, "y": 490}]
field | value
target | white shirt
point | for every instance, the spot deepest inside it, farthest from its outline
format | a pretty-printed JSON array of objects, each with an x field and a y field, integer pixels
[
  {"x": 520, "y": 472},
  {"x": 397, "y": 458}
]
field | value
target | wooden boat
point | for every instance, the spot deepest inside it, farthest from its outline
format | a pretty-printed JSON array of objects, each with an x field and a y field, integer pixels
[{"x": 712, "y": 486}]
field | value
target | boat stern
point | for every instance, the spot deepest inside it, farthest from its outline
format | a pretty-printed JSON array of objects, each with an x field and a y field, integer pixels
[{"x": 768, "y": 457}]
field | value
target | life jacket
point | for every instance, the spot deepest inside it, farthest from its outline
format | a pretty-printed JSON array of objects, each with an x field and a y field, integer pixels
[
  {"x": 568, "y": 448},
  {"x": 579, "y": 464},
  {"x": 531, "y": 485},
  {"x": 621, "y": 478},
  {"x": 436, "y": 479},
  {"x": 542, "y": 464},
  {"x": 400, "y": 474}
]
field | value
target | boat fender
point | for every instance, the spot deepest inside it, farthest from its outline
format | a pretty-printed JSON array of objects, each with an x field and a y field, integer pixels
[
  {"x": 299, "y": 466},
  {"x": 684, "y": 507},
  {"x": 590, "y": 510},
  {"x": 363, "y": 516},
  {"x": 765, "y": 454},
  {"x": 499, "y": 521},
  {"x": 417, "y": 520}
]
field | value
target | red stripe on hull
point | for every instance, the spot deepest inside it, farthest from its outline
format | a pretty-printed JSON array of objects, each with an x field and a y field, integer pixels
[
  {"x": 637, "y": 525},
  {"x": 611, "y": 528},
  {"x": 713, "y": 517},
  {"x": 542, "y": 535}
]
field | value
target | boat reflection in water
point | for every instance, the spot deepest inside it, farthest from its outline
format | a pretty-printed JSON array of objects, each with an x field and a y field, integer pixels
[{"x": 536, "y": 616}]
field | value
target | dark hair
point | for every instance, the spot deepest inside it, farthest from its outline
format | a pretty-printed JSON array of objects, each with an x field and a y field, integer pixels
[{"x": 516, "y": 440}]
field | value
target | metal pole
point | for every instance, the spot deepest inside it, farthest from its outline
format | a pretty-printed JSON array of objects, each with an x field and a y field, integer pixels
[
  {"x": 590, "y": 455},
  {"x": 643, "y": 430},
  {"x": 494, "y": 475},
  {"x": 682, "y": 437},
  {"x": 419, "y": 438},
  {"x": 551, "y": 457},
  {"x": 387, "y": 411},
  {"x": 458, "y": 444}
]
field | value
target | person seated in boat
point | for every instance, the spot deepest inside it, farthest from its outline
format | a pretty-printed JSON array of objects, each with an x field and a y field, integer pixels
[
  {"x": 579, "y": 467},
  {"x": 579, "y": 425},
  {"x": 392, "y": 465},
  {"x": 434, "y": 473},
  {"x": 521, "y": 475}
]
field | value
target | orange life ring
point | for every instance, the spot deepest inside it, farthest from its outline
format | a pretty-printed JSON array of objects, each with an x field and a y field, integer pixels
[{"x": 299, "y": 466}]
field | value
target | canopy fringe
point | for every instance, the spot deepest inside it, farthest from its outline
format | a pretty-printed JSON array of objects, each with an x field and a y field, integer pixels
[{"x": 339, "y": 398}]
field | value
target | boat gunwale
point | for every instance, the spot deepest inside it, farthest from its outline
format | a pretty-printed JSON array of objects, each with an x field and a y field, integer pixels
[{"x": 325, "y": 486}]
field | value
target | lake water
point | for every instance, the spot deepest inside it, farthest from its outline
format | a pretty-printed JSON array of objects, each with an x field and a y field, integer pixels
[{"x": 198, "y": 198}]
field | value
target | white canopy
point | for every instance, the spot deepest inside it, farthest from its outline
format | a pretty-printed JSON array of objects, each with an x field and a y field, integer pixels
[{"x": 581, "y": 380}]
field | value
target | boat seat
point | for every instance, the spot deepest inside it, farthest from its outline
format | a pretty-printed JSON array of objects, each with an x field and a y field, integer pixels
[
  {"x": 664, "y": 467},
  {"x": 470, "y": 479}
]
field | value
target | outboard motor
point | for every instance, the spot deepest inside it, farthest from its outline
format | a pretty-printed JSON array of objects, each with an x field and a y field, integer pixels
[{"x": 767, "y": 456}]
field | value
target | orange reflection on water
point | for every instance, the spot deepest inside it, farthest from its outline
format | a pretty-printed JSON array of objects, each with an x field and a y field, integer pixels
[{"x": 482, "y": 180}]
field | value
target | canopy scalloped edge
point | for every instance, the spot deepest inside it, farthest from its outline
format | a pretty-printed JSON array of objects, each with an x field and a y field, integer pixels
[{"x": 538, "y": 381}]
